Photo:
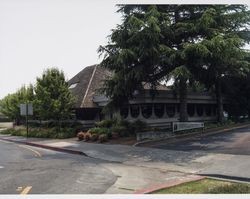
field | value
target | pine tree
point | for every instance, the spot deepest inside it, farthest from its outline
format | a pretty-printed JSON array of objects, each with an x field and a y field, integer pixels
[
  {"x": 148, "y": 47},
  {"x": 220, "y": 52},
  {"x": 155, "y": 41}
]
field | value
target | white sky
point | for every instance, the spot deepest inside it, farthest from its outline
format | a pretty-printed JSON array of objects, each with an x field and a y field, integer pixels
[
  {"x": 38, "y": 34},
  {"x": 35, "y": 35}
]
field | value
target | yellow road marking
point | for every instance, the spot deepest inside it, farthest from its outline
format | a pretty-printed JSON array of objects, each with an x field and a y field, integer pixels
[
  {"x": 36, "y": 152},
  {"x": 26, "y": 190}
]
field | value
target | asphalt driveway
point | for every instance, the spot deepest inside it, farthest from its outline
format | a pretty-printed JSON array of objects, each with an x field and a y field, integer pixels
[{"x": 231, "y": 142}]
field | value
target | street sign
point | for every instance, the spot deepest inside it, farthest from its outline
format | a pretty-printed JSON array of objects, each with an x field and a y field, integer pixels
[
  {"x": 26, "y": 110},
  {"x": 26, "y": 107}
]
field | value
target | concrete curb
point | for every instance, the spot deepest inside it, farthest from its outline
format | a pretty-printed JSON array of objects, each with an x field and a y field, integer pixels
[
  {"x": 208, "y": 132},
  {"x": 168, "y": 185},
  {"x": 227, "y": 178},
  {"x": 64, "y": 150}
]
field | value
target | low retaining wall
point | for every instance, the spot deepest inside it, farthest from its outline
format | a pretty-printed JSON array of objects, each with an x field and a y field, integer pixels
[{"x": 153, "y": 135}]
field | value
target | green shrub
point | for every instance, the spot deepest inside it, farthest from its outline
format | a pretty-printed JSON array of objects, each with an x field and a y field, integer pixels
[
  {"x": 105, "y": 123},
  {"x": 4, "y": 119},
  {"x": 7, "y": 131},
  {"x": 123, "y": 123},
  {"x": 121, "y": 130},
  {"x": 98, "y": 130},
  {"x": 42, "y": 132},
  {"x": 120, "y": 126},
  {"x": 19, "y": 132},
  {"x": 139, "y": 126}
]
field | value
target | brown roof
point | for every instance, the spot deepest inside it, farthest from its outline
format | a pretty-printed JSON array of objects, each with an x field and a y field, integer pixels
[{"x": 85, "y": 84}]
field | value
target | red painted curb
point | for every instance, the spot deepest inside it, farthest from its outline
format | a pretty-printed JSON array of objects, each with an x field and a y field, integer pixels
[
  {"x": 48, "y": 147},
  {"x": 167, "y": 185}
]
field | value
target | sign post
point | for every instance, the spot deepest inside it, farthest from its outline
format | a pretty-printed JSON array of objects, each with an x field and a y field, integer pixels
[{"x": 26, "y": 110}]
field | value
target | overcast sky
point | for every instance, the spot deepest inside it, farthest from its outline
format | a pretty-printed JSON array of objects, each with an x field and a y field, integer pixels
[
  {"x": 35, "y": 35},
  {"x": 38, "y": 34}
]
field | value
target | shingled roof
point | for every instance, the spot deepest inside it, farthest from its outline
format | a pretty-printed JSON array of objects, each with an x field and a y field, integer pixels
[{"x": 85, "y": 84}]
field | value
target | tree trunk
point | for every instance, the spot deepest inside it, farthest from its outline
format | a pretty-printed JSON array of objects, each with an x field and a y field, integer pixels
[
  {"x": 220, "y": 116},
  {"x": 183, "y": 100}
]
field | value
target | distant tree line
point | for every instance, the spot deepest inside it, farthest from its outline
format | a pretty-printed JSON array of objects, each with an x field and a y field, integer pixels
[
  {"x": 50, "y": 97},
  {"x": 196, "y": 45}
]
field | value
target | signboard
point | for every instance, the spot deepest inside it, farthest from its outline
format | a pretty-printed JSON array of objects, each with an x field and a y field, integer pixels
[
  {"x": 26, "y": 107},
  {"x": 26, "y": 110},
  {"x": 180, "y": 126}
]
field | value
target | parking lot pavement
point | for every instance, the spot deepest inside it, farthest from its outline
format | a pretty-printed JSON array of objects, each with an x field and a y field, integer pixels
[{"x": 231, "y": 142}]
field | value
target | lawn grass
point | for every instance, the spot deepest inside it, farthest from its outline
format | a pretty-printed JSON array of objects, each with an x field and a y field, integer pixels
[{"x": 206, "y": 186}]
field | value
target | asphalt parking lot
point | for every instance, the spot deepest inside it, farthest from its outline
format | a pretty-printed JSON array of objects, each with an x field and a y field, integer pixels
[{"x": 231, "y": 142}]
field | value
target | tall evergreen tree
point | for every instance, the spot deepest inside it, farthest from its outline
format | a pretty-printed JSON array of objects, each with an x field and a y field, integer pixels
[
  {"x": 136, "y": 53},
  {"x": 155, "y": 40},
  {"x": 148, "y": 46},
  {"x": 220, "y": 52}
]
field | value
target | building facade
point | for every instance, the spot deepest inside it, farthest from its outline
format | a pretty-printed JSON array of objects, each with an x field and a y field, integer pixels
[{"x": 159, "y": 111}]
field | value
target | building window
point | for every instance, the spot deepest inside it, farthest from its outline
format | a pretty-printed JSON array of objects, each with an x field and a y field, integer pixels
[
  {"x": 73, "y": 85},
  {"x": 124, "y": 112},
  {"x": 170, "y": 109},
  {"x": 199, "y": 109},
  {"x": 190, "y": 110},
  {"x": 159, "y": 110},
  {"x": 135, "y": 111},
  {"x": 146, "y": 110},
  {"x": 208, "y": 110}
]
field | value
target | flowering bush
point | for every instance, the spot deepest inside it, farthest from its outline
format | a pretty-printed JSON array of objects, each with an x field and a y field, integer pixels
[{"x": 81, "y": 135}]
